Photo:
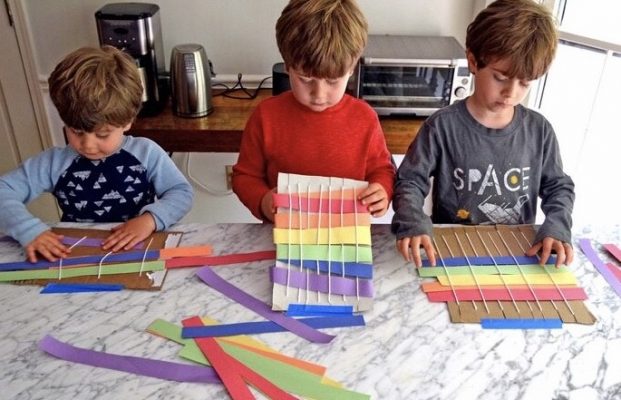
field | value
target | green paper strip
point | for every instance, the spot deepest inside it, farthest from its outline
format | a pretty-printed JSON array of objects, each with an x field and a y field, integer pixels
[
  {"x": 286, "y": 376},
  {"x": 70, "y": 272},
  {"x": 430, "y": 272},
  {"x": 320, "y": 252}
]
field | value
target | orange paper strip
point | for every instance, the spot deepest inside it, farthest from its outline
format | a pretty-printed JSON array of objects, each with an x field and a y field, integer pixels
[
  {"x": 166, "y": 254},
  {"x": 308, "y": 220}
]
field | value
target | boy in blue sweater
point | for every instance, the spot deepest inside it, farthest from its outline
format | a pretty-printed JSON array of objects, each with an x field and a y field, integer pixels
[{"x": 102, "y": 175}]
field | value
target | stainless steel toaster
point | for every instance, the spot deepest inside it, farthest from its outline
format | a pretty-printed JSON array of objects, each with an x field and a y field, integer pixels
[{"x": 190, "y": 81}]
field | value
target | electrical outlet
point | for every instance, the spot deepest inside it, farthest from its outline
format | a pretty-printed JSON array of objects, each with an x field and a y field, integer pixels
[{"x": 229, "y": 176}]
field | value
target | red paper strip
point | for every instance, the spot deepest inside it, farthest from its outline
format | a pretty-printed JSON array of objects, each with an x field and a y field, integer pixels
[
  {"x": 614, "y": 250},
  {"x": 225, "y": 259},
  {"x": 331, "y": 206},
  {"x": 232, "y": 372},
  {"x": 573, "y": 293}
]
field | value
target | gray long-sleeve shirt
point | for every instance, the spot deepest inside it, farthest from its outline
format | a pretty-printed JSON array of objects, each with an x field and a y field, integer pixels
[{"x": 483, "y": 176}]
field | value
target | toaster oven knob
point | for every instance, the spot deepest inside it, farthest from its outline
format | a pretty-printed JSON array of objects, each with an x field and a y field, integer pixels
[{"x": 460, "y": 92}]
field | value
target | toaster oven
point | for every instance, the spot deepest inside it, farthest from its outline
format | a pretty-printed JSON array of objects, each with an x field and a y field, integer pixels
[{"x": 411, "y": 75}]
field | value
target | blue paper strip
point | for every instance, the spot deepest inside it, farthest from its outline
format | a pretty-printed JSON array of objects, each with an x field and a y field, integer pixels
[
  {"x": 487, "y": 260},
  {"x": 520, "y": 323},
  {"x": 318, "y": 310},
  {"x": 80, "y": 287},
  {"x": 246, "y": 328},
  {"x": 354, "y": 269},
  {"x": 88, "y": 260}
]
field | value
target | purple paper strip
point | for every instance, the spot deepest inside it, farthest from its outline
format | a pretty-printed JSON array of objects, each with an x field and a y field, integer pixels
[
  {"x": 215, "y": 281},
  {"x": 91, "y": 242},
  {"x": 135, "y": 365},
  {"x": 319, "y": 283},
  {"x": 112, "y": 258},
  {"x": 589, "y": 252}
]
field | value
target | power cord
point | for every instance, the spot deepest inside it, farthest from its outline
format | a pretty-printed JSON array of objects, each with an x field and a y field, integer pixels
[
  {"x": 239, "y": 86},
  {"x": 201, "y": 185}
]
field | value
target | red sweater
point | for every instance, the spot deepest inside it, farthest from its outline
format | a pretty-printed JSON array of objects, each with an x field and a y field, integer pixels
[{"x": 282, "y": 135}]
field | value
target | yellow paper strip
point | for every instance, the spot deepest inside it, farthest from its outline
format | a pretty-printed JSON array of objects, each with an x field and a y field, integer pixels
[
  {"x": 534, "y": 279},
  {"x": 338, "y": 235}
]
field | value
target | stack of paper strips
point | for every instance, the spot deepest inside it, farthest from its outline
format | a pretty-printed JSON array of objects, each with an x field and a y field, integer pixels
[
  {"x": 323, "y": 244},
  {"x": 143, "y": 267},
  {"x": 484, "y": 277}
]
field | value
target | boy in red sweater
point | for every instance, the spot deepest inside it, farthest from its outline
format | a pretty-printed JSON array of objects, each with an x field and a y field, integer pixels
[{"x": 315, "y": 129}]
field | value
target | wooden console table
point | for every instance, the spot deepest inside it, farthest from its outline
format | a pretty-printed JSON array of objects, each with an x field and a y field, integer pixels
[{"x": 221, "y": 130}]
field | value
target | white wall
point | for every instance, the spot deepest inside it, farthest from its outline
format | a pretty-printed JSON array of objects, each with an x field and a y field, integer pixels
[{"x": 238, "y": 36}]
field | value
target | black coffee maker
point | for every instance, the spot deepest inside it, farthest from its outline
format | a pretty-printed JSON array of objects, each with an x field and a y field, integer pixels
[{"x": 136, "y": 29}]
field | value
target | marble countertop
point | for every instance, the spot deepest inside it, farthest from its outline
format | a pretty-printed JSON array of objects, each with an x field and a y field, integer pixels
[{"x": 408, "y": 350}]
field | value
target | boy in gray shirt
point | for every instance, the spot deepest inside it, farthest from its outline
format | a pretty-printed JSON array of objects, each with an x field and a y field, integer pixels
[{"x": 490, "y": 157}]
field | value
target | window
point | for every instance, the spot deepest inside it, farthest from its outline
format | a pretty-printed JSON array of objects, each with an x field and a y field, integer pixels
[{"x": 581, "y": 97}]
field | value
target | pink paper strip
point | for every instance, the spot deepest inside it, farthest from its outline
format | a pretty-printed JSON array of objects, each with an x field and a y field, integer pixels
[
  {"x": 616, "y": 271},
  {"x": 589, "y": 252},
  {"x": 135, "y": 365},
  {"x": 574, "y": 293},
  {"x": 215, "y": 281},
  {"x": 225, "y": 259},
  {"x": 332, "y": 206},
  {"x": 614, "y": 250}
]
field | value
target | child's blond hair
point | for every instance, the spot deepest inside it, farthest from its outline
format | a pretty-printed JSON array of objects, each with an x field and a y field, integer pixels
[
  {"x": 321, "y": 38},
  {"x": 92, "y": 87},
  {"x": 521, "y": 31}
]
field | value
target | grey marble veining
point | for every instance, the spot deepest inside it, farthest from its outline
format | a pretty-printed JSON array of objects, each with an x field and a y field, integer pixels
[{"x": 408, "y": 350}]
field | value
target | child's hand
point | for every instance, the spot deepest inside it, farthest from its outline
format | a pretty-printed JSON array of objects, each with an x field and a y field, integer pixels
[
  {"x": 564, "y": 251},
  {"x": 49, "y": 245},
  {"x": 129, "y": 234},
  {"x": 375, "y": 198},
  {"x": 409, "y": 247},
  {"x": 267, "y": 205}
]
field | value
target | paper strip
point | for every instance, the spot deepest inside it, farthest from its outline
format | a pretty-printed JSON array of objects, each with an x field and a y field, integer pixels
[
  {"x": 246, "y": 328},
  {"x": 561, "y": 278},
  {"x": 589, "y": 252},
  {"x": 538, "y": 323},
  {"x": 91, "y": 242},
  {"x": 573, "y": 293},
  {"x": 80, "y": 288},
  {"x": 488, "y": 260},
  {"x": 335, "y": 267},
  {"x": 85, "y": 260},
  {"x": 429, "y": 272},
  {"x": 296, "y": 220},
  {"x": 614, "y": 250},
  {"x": 339, "y": 234},
  {"x": 224, "y": 259},
  {"x": 286, "y": 374},
  {"x": 320, "y": 252},
  {"x": 301, "y": 310},
  {"x": 335, "y": 205},
  {"x": 106, "y": 269},
  {"x": 616, "y": 271},
  {"x": 135, "y": 365},
  {"x": 313, "y": 282},
  {"x": 215, "y": 281},
  {"x": 172, "y": 252},
  {"x": 232, "y": 372}
]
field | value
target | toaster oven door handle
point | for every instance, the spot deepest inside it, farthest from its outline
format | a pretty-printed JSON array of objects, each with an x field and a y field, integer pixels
[{"x": 408, "y": 62}]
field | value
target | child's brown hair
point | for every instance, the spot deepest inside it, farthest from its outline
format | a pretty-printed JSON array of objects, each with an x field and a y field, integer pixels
[
  {"x": 321, "y": 38},
  {"x": 521, "y": 31},
  {"x": 92, "y": 87}
]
